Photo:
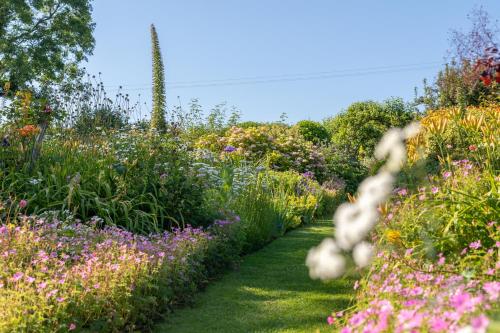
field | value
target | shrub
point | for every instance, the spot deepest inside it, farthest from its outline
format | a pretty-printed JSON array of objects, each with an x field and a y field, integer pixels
[
  {"x": 313, "y": 131},
  {"x": 281, "y": 148},
  {"x": 362, "y": 125}
]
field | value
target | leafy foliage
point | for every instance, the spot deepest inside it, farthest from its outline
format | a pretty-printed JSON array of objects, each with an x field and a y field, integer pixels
[
  {"x": 43, "y": 40},
  {"x": 313, "y": 131},
  {"x": 362, "y": 124}
]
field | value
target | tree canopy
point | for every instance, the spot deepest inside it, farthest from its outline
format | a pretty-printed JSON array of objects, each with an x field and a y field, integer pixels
[
  {"x": 43, "y": 40},
  {"x": 361, "y": 126}
]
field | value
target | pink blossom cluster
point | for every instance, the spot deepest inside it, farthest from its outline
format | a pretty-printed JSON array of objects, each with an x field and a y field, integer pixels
[
  {"x": 401, "y": 295},
  {"x": 75, "y": 274}
]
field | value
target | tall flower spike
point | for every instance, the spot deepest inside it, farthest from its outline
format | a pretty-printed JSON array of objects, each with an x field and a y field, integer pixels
[{"x": 158, "y": 122}]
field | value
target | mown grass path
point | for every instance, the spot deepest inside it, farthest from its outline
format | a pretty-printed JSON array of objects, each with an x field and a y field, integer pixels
[{"x": 270, "y": 292}]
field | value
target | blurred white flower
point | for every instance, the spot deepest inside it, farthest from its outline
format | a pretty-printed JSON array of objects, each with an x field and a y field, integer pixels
[
  {"x": 325, "y": 261},
  {"x": 374, "y": 190},
  {"x": 411, "y": 130},
  {"x": 363, "y": 254},
  {"x": 353, "y": 224},
  {"x": 354, "y": 221}
]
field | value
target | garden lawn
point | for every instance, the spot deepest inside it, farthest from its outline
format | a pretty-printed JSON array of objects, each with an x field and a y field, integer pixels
[{"x": 270, "y": 292}]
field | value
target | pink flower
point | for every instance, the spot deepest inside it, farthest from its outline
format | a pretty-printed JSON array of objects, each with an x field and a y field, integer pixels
[
  {"x": 475, "y": 245},
  {"x": 435, "y": 189},
  {"x": 30, "y": 279},
  {"x": 447, "y": 174},
  {"x": 402, "y": 192},
  {"x": 472, "y": 147},
  {"x": 480, "y": 324},
  {"x": 492, "y": 289},
  {"x": 438, "y": 324},
  {"x": 23, "y": 203},
  {"x": 462, "y": 301},
  {"x": 330, "y": 320},
  {"x": 16, "y": 277},
  {"x": 71, "y": 327}
]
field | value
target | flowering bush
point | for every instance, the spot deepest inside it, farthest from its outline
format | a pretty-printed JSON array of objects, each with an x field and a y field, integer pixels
[
  {"x": 280, "y": 147},
  {"x": 59, "y": 277},
  {"x": 454, "y": 132}
]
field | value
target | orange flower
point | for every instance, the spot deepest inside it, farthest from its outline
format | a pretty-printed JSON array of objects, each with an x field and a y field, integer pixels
[{"x": 28, "y": 130}]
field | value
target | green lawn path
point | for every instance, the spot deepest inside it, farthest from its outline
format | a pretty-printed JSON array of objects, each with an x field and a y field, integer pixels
[{"x": 270, "y": 292}]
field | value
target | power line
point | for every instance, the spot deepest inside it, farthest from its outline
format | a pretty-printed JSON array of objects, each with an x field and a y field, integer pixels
[{"x": 291, "y": 77}]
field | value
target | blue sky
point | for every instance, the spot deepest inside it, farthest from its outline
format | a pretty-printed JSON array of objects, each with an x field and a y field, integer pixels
[{"x": 284, "y": 42}]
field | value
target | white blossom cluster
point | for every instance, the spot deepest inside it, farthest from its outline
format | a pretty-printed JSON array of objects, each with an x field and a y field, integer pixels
[{"x": 354, "y": 221}]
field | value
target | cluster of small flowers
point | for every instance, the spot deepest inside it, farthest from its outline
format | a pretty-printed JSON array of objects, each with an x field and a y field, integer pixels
[
  {"x": 412, "y": 298},
  {"x": 85, "y": 272},
  {"x": 354, "y": 221}
]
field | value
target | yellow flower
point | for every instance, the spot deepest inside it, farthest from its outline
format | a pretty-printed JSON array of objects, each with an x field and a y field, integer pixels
[{"x": 393, "y": 236}]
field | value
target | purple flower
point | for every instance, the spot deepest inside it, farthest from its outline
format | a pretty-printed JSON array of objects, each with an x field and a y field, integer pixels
[
  {"x": 435, "y": 189},
  {"x": 308, "y": 175},
  {"x": 229, "y": 149}
]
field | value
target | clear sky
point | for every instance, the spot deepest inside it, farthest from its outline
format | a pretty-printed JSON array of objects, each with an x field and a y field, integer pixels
[{"x": 308, "y": 58}]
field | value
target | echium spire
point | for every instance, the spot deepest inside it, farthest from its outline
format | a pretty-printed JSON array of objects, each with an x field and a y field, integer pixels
[{"x": 158, "y": 122}]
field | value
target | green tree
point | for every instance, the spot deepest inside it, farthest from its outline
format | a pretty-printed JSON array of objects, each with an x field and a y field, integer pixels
[
  {"x": 313, "y": 131},
  {"x": 41, "y": 41},
  {"x": 158, "y": 122},
  {"x": 361, "y": 126}
]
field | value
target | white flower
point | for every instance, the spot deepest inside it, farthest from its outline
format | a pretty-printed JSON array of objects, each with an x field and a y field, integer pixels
[
  {"x": 354, "y": 221},
  {"x": 325, "y": 262},
  {"x": 353, "y": 224},
  {"x": 375, "y": 190},
  {"x": 411, "y": 130},
  {"x": 363, "y": 254},
  {"x": 390, "y": 139}
]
